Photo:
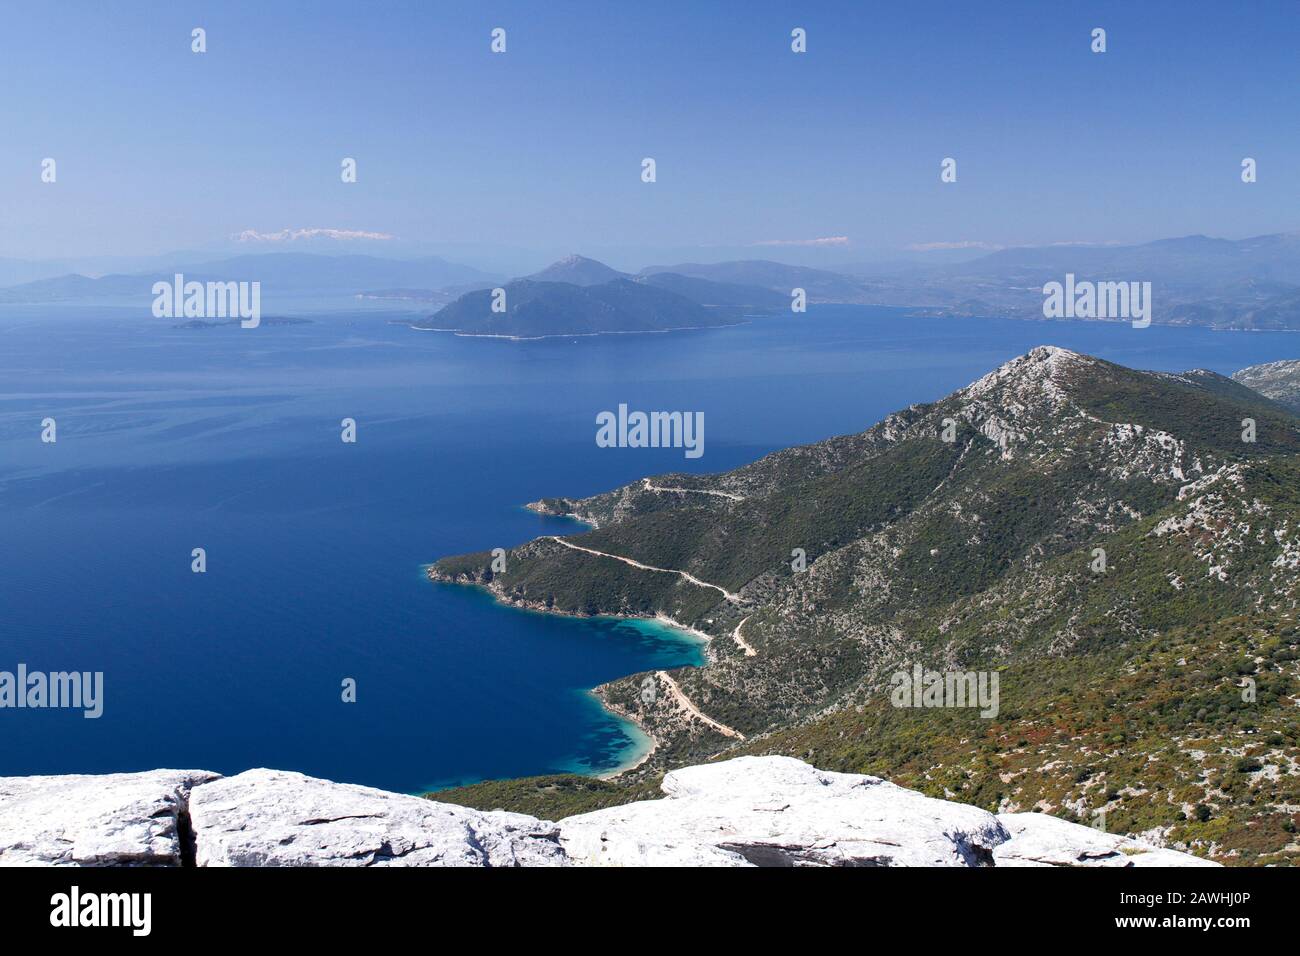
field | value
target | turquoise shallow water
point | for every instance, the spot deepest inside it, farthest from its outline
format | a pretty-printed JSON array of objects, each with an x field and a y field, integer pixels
[{"x": 229, "y": 440}]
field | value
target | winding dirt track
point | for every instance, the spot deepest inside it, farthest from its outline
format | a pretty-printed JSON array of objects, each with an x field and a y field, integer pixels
[
  {"x": 685, "y": 703},
  {"x": 744, "y": 645},
  {"x": 693, "y": 491},
  {"x": 647, "y": 567}
]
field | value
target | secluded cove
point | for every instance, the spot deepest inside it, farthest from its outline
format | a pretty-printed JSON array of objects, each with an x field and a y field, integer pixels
[{"x": 612, "y": 743}]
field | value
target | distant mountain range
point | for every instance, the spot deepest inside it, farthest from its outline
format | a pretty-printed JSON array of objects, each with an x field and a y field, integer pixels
[
  {"x": 721, "y": 294},
  {"x": 1196, "y": 280},
  {"x": 1101, "y": 539},
  {"x": 820, "y": 285},
  {"x": 278, "y": 272}
]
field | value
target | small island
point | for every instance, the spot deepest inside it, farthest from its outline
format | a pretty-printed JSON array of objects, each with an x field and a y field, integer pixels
[{"x": 579, "y": 297}]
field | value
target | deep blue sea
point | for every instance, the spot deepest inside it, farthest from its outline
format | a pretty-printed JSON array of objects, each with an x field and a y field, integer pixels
[{"x": 228, "y": 439}]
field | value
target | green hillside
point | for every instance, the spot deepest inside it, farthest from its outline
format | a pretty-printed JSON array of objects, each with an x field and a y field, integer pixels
[{"x": 1074, "y": 526}]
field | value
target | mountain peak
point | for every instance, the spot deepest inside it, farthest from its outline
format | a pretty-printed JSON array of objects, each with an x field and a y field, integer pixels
[
  {"x": 1038, "y": 373},
  {"x": 578, "y": 270}
]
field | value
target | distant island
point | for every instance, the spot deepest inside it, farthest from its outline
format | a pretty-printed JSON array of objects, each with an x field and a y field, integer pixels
[
  {"x": 579, "y": 296},
  {"x": 217, "y": 323},
  {"x": 423, "y": 296}
]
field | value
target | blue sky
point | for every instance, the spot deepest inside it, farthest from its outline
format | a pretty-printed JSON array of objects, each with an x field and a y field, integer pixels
[{"x": 540, "y": 148}]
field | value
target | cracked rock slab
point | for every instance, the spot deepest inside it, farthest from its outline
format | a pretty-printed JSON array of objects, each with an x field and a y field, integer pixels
[
  {"x": 280, "y": 818},
  {"x": 115, "y": 819},
  {"x": 778, "y": 811},
  {"x": 1041, "y": 840}
]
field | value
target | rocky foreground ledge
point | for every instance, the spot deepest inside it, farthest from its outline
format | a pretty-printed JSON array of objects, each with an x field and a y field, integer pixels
[{"x": 751, "y": 811}]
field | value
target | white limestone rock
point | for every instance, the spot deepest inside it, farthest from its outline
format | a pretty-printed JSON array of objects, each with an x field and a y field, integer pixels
[
  {"x": 116, "y": 819},
  {"x": 751, "y": 811},
  {"x": 1041, "y": 840},
  {"x": 279, "y": 818},
  {"x": 778, "y": 811}
]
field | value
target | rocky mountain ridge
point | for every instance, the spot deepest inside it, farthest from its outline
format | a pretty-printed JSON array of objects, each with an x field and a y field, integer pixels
[{"x": 1280, "y": 381}]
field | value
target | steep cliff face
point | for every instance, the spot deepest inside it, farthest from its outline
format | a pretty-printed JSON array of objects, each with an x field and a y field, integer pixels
[
  {"x": 769, "y": 811},
  {"x": 1063, "y": 521}
]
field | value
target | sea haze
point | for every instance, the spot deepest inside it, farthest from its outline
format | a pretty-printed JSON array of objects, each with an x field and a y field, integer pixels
[{"x": 228, "y": 439}]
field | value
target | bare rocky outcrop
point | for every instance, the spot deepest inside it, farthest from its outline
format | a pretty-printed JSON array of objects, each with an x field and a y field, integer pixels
[
  {"x": 278, "y": 818},
  {"x": 751, "y": 811},
  {"x": 778, "y": 811},
  {"x": 1038, "y": 839},
  {"x": 115, "y": 819},
  {"x": 1279, "y": 381}
]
